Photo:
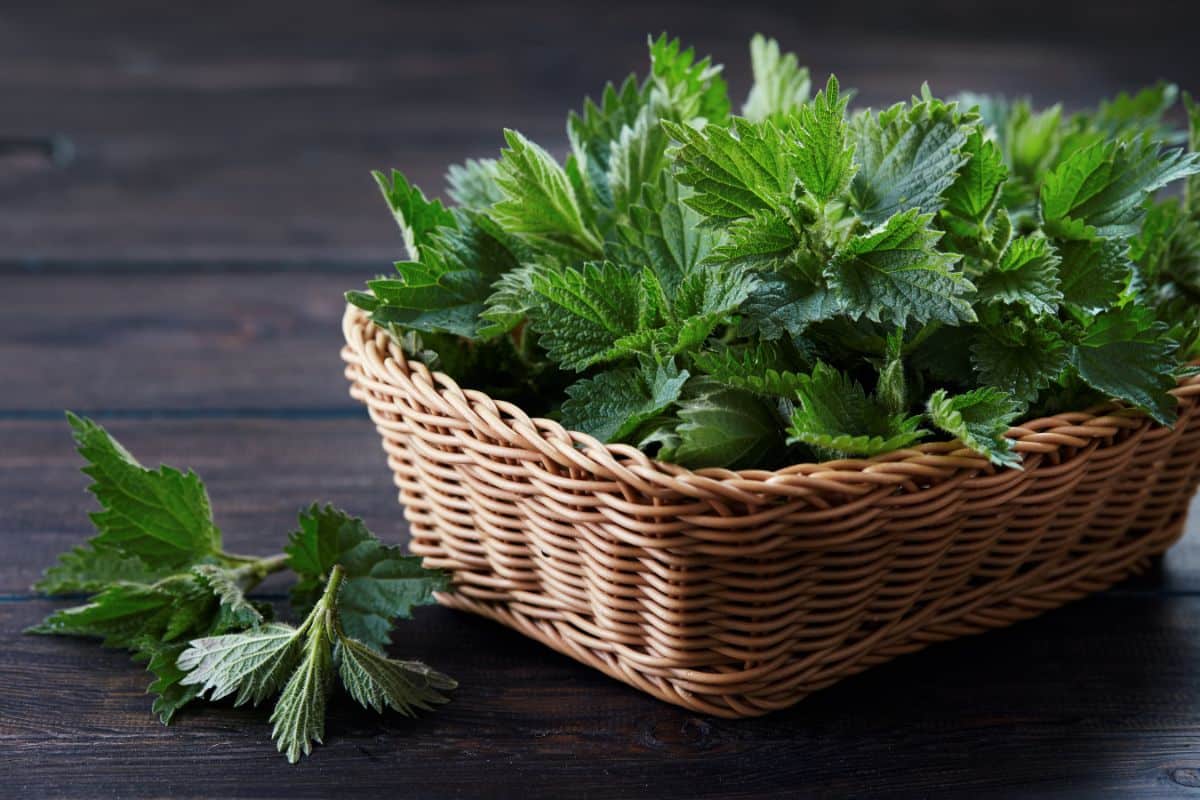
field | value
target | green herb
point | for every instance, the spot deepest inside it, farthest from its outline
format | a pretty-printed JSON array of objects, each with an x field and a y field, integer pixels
[
  {"x": 163, "y": 588},
  {"x": 806, "y": 281}
]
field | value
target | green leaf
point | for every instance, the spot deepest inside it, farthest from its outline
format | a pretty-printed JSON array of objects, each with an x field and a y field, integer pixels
[
  {"x": 299, "y": 715},
  {"x": 1026, "y": 275},
  {"x": 381, "y": 582},
  {"x": 417, "y": 216},
  {"x": 509, "y": 303},
  {"x": 837, "y": 418},
  {"x": 684, "y": 88},
  {"x": 723, "y": 427},
  {"x": 735, "y": 172},
  {"x": 706, "y": 299},
  {"x": 377, "y": 682},
  {"x": 781, "y": 85},
  {"x": 612, "y": 405},
  {"x": 87, "y": 568},
  {"x": 979, "y": 419},
  {"x": 225, "y": 585},
  {"x": 254, "y": 664},
  {"x": 1094, "y": 274},
  {"x": 760, "y": 369},
  {"x": 971, "y": 199},
  {"x": 637, "y": 158},
  {"x": 664, "y": 233},
  {"x": 581, "y": 313},
  {"x": 1191, "y": 194},
  {"x": 594, "y": 132},
  {"x": 540, "y": 204},
  {"x": 170, "y": 693},
  {"x": 1099, "y": 191},
  {"x": 473, "y": 184},
  {"x": 765, "y": 240},
  {"x": 783, "y": 305},
  {"x": 908, "y": 156},
  {"x": 1021, "y": 359},
  {"x": 161, "y": 516},
  {"x": 1127, "y": 355},
  {"x": 825, "y": 163},
  {"x": 895, "y": 272}
]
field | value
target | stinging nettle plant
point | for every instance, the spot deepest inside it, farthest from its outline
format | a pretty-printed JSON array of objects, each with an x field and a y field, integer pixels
[{"x": 800, "y": 281}]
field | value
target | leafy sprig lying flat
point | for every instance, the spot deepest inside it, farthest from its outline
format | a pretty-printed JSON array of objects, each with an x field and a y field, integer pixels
[
  {"x": 803, "y": 280},
  {"x": 162, "y": 587}
]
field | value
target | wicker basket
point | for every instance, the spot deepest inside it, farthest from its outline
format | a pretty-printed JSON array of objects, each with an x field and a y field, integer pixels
[{"x": 738, "y": 593}]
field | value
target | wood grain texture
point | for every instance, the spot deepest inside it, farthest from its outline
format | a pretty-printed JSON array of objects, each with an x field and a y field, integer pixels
[
  {"x": 1100, "y": 699},
  {"x": 247, "y": 130}
]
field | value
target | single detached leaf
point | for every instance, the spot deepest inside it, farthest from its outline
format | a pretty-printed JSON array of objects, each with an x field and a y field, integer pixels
[
  {"x": 417, "y": 216},
  {"x": 781, "y": 85},
  {"x": 613, "y": 404},
  {"x": 895, "y": 272},
  {"x": 836, "y": 418},
  {"x": 161, "y": 516},
  {"x": 979, "y": 419},
  {"x": 378, "y": 682},
  {"x": 381, "y": 582}
]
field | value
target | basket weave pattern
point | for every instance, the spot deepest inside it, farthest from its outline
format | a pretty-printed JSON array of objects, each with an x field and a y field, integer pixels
[{"x": 738, "y": 593}]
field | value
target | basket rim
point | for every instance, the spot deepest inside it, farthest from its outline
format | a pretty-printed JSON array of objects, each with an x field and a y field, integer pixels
[{"x": 508, "y": 424}]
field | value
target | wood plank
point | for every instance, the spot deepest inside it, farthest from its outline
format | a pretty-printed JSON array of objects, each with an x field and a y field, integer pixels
[
  {"x": 173, "y": 340},
  {"x": 1099, "y": 699},
  {"x": 248, "y": 131}
]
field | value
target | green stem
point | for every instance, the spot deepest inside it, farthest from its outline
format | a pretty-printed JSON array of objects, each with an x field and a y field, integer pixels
[
  {"x": 922, "y": 335},
  {"x": 252, "y": 572}
]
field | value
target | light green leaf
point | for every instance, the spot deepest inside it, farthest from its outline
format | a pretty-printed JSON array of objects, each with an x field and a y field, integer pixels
[
  {"x": 637, "y": 158},
  {"x": 970, "y": 200},
  {"x": 540, "y": 204},
  {"x": 473, "y": 185},
  {"x": 781, "y": 85},
  {"x": 254, "y": 664},
  {"x": 417, "y": 216},
  {"x": 378, "y": 682},
  {"x": 299, "y": 716},
  {"x": 686, "y": 89},
  {"x": 825, "y": 163},
  {"x": 979, "y": 419}
]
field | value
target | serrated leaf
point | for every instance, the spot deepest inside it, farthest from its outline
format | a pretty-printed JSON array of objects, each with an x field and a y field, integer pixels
[
  {"x": 377, "y": 682},
  {"x": 1094, "y": 273},
  {"x": 665, "y": 234},
  {"x": 613, "y": 404},
  {"x": 1019, "y": 359},
  {"x": 254, "y": 664},
  {"x": 637, "y": 158},
  {"x": 780, "y": 86},
  {"x": 836, "y": 418},
  {"x": 299, "y": 716},
  {"x": 723, "y": 427},
  {"x": 1026, "y": 275},
  {"x": 540, "y": 204},
  {"x": 764, "y": 240},
  {"x": 381, "y": 582},
  {"x": 581, "y": 313},
  {"x": 908, "y": 156},
  {"x": 686, "y": 88},
  {"x": 971, "y": 198},
  {"x": 224, "y": 583},
  {"x": 170, "y": 693},
  {"x": 473, "y": 185},
  {"x": 737, "y": 171},
  {"x": 87, "y": 569},
  {"x": 979, "y": 419},
  {"x": 1099, "y": 191},
  {"x": 1127, "y": 355},
  {"x": 894, "y": 272},
  {"x": 825, "y": 163},
  {"x": 161, "y": 516},
  {"x": 760, "y": 369},
  {"x": 417, "y": 216},
  {"x": 782, "y": 305}
]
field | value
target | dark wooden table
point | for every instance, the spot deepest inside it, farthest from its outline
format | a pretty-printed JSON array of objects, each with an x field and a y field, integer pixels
[{"x": 183, "y": 201}]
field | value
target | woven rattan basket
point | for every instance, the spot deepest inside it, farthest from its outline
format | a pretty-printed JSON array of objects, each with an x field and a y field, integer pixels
[{"x": 738, "y": 593}]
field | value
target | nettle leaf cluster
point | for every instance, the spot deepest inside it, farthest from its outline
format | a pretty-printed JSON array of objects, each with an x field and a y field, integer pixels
[
  {"x": 800, "y": 281},
  {"x": 159, "y": 585}
]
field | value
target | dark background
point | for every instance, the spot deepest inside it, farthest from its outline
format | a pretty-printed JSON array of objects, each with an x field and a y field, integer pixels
[{"x": 183, "y": 198}]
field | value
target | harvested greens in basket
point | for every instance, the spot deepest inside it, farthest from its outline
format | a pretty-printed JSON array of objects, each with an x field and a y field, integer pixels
[{"x": 793, "y": 280}]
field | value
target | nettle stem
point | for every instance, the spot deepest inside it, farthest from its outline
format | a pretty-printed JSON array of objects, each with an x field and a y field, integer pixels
[{"x": 252, "y": 570}]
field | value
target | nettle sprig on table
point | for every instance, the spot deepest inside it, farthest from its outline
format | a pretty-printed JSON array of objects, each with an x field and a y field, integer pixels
[
  {"x": 162, "y": 587},
  {"x": 801, "y": 282}
]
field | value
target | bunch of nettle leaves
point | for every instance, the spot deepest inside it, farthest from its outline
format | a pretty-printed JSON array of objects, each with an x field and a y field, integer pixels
[{"x": 800, "y": 283}]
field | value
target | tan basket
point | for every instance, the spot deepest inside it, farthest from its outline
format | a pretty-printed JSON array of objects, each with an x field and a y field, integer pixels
[{"x": 738, "y": 593}]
